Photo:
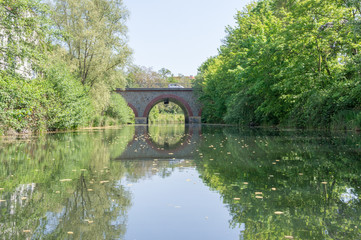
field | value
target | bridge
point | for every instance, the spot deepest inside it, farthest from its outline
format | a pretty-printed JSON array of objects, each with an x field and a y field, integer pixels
[{"x": 142, "y": 100}]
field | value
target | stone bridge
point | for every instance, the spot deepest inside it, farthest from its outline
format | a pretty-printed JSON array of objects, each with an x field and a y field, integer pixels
[
  {"x": 143, "y": 147},
  {"x": 142, "y": 100}
]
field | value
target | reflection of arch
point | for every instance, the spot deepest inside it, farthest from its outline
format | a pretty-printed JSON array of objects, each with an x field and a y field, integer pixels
[
  {"x": 134, "y": 110},
  {"x": 180, "y": 145},
  {"x": 143, "y": 147},
  {"x": 173, "y": 98}
]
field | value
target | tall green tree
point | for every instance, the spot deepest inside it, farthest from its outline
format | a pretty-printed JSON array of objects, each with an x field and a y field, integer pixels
[
  {"x": 286, "y": 62},
  {"x": 24, "y": 34},
  {"x": 95, "y": 37}
]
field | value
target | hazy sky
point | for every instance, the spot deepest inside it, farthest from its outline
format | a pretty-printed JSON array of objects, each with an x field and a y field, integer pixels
[{"x": 178, "y": 34}]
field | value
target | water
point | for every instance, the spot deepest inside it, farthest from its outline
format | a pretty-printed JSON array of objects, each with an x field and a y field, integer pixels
[{"x": 178, "y": 182}]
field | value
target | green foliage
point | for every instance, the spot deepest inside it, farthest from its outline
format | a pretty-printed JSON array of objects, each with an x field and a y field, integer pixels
[
  {"x": 94, "y": 32},
  {"x": 48, "y": 87},
  {"x": 24, "y": 35},
  {"x": 57, "y": 101},
  {"x": 285, "y": 63},
  {"x": 118, "y": 109},
  {"x": 69, "y": 105},
  {"x": 140, "y": 76},
  {"x": 22, "y": 103}
]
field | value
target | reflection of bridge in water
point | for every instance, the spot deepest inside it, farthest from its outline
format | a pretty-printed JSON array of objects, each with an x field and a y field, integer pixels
[{"x": 143, "y": 147}]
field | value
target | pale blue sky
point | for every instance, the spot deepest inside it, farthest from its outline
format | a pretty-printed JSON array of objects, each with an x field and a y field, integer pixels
[{"x": 178, "y": 34}]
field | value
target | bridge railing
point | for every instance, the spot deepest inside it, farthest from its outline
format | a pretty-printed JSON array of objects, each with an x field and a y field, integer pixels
[{"x": 159, "y": 85}]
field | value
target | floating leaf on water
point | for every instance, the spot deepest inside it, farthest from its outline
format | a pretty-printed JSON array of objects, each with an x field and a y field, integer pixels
[
  {"x": 26, "y": 231},
  {"x": 278, "y": 212},
  {"x": 258, "y": 193},
  {"x": 65, "y": 180},
  {"x": 324, "y": 182},
  {"x": 236, "y": 198},
  {"x": 289, "y": 237}
]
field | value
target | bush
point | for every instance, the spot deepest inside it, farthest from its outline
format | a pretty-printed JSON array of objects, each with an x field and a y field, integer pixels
[
  {"x": 69, "y": 105},
  {"x": 22, "y": 103},
  {"x": 118, "y": 109}
]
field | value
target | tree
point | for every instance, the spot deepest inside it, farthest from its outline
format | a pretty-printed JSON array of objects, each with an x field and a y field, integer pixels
[
  {"x": 286, "y": 63},
  {"x": 95, "y": 38},
  {"x": 24, "y": 32}
]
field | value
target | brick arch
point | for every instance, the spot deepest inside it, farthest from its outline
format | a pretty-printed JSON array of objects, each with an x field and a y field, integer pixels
[
  {"x": 173, "y": 98},
  {"x": 134, "y": 109}
]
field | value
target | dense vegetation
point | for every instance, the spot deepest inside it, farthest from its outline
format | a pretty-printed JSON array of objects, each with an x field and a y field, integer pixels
[
  {"x": 287, "y": 62},
  {"x": 60, "y": 63}
]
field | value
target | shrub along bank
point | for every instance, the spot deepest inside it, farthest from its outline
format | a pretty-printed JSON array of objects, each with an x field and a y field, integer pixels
[{"x": 56, "y": 101}]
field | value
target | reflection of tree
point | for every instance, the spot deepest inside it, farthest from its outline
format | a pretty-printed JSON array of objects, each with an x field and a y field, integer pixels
[
  {"x": 49, "y": 208},
  {"x": 98, "y": 212},
  {"x": 305, "y": 177}
]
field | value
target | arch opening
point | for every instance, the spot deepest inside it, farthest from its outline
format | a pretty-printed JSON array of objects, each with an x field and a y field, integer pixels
[
  {"x": 166, "y": 112},
  {"x": 166, "y": 99}
]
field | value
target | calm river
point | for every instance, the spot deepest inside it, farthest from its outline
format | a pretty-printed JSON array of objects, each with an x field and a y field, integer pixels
[{"x": 181, "y": 182}]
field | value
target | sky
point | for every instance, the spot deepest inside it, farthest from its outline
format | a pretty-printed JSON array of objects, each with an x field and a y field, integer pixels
[{"x": 178, "y": 34}]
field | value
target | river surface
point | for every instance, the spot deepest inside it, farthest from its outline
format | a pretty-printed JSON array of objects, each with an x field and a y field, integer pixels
[{"x": 181, "y": 182}]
